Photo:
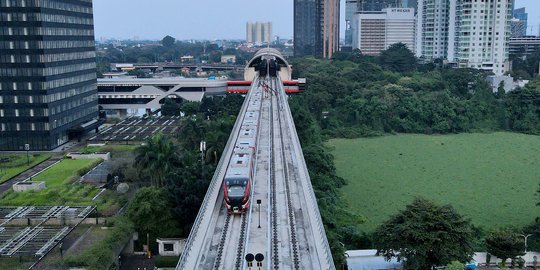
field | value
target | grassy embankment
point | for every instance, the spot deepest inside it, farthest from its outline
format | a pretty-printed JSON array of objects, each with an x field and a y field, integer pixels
[
  {"x": 61, "y": 189},
  {"x": 490, "y": 178},
  {"x": 14, "y": 164}
]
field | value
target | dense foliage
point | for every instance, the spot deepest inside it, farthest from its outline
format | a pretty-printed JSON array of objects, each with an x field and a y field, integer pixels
[
  {"x": 339, "y": 224},
  {"x": 149, "y": 211},
  {"x": 177, "y": 170},
  {"x": 355, "y": 95},
  {"x": 425, "y": 235},
  {"x": 103, "y": 253},
  {"x": 505, "y": 244}
]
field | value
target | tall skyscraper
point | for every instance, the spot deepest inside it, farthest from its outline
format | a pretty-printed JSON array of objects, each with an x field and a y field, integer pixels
[
  {"x": 330, "y": 25},
  {"x": 307, "y": 33},
  {"x": 353, "y": 7},
  {"x": 379, "y": 30},
  {"x": 432, "y": 28},
  {"x": 249, "y": 32},
  {"x": 316, "y": 27},
  {"x": 472, "y": 34},
  {"x": 47, "y": 72},
  {"x": 259, "y": 32},
  {"x": 519, "y": 24}
]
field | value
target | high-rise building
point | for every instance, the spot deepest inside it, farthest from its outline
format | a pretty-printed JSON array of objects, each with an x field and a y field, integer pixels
[
  {"x": 48, "y": 87},
  {"x": 316, "y": 27},
  {"x": 432, "y": 28},
  {"x": 259, "y": 32},
  {"x": 378, "y": 5},
  {"x": 249, "y": 32},
  {"x": 519, "y": 23},
  {"x": 353, "y": 7},
  {"x": 379, "y": 30},
  {"x": 330, "y": 27},
  {"x": 468, "y": 33}
]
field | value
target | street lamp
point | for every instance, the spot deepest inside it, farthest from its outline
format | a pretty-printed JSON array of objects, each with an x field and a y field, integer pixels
[
  {"x": 259, "y": 204},
  {"x": 27, "y": 148},
  {"x": 526, "y": 236}
]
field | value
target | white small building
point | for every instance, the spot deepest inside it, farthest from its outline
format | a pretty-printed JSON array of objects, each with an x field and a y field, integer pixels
[
  {"x": 376, "y": 31},
  {"x": 228, "y": 59},
  {"x": 367, "y": 260},
  {"x": 171, "y": 246}
]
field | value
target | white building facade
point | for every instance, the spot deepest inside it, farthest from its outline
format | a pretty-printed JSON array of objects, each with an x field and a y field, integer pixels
[
  {"x": 467, "y": 33},
  {"x": 259, "y": 32},
  {"x": 376, "y": 31}
]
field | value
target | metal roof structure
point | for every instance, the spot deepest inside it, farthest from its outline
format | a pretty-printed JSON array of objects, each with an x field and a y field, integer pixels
[
  {"x": 44, "y": 227},
  {"x": 136, "y": 129}
]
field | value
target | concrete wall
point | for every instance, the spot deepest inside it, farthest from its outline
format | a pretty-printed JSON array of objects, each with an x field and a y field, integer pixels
[
  {"x": 179, "y": 245},
  {"x": 28, "y": 186},
  {"x": 55, "y": 222},
  {"x": 104, "y": 156}
]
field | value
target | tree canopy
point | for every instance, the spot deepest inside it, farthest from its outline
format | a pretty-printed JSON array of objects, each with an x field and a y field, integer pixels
[
  {"x": 398, "y": 58},
  {"x": 168, "y": 41},
  {"x": 425, "y": 235},
  {"x": 505, "y": 244},
  {"x": 156, "y": 159},
  {"x": 150, "y": 212}
]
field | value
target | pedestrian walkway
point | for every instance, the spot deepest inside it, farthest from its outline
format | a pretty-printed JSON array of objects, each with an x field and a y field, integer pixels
[{"x": 136, "y": 262}]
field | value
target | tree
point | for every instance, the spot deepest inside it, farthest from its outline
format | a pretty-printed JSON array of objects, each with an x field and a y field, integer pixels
[
  {"x": 398, "y": 58},
  {"x": 171, "y": 107},
  {"x": 168, "y": 42},
  {"x": 156, "y": 159},
  {"x": 455, "y": 265},
  {"x": 505, "y": 244},
  {"x": 150, "y": 212},
  {"x": 425, "y": 235}
]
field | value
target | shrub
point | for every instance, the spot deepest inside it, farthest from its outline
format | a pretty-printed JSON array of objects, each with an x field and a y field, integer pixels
[
  {"x": 85, "y": 170},
  {"x": 103, "y": 253}
]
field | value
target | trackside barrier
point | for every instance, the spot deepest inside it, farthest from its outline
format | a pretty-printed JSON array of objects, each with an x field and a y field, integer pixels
[
  {"x": 208, "y": 198},
  {"x": 313, "y": 211}
]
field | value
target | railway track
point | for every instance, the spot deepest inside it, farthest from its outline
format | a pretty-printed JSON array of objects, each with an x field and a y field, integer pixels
[{"x": 284, "y": 183}]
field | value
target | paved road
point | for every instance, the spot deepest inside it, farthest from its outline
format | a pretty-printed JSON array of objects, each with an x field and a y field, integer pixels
[{"x": 136, "y": 262}]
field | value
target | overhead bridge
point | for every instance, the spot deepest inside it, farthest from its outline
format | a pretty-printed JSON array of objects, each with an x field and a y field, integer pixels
[{"x": 260, "y": 200}]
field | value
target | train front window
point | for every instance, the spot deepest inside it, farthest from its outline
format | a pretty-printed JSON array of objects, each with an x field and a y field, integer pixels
[{"x": 236, "y": 191}]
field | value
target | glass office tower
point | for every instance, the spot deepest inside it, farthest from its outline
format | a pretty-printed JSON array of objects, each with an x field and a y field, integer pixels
[
  {"x": 316, "y": 27},
  {"x": 48, "y": 86}
]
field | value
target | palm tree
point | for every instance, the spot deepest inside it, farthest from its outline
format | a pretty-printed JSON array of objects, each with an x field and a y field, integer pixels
[
  {"x": 192, "y": 131},
  {"x": 157, "y": 158}
]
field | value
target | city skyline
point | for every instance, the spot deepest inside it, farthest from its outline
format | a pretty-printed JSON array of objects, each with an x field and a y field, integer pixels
[{"x": 163, "y": 18}]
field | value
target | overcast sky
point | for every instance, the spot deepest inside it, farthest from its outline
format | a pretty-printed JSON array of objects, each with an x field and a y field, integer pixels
[{"x": 211, "y": 19}]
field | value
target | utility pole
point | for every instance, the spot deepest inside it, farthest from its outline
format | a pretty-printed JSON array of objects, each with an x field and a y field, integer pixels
[{"x": 526, "y": 236}]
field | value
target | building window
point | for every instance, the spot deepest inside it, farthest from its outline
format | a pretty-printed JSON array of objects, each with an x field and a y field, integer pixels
[{"x": 168, "y": 247}]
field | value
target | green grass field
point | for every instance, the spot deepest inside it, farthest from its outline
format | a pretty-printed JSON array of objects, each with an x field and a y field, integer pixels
[
  {"x": 113, "y": 148},
  {"x": 59, "y": 188},
  {"x": 14, "y": 164},
  {"x": 490, "y": 178}
]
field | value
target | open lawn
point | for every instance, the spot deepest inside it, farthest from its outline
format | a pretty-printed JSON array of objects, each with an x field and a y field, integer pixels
[
  {"x": 113, "y": 148},
  {"x": 490, "y": 178},
  {"x": 14, "y": 164},
  {"x": 60, "y": 189}
]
